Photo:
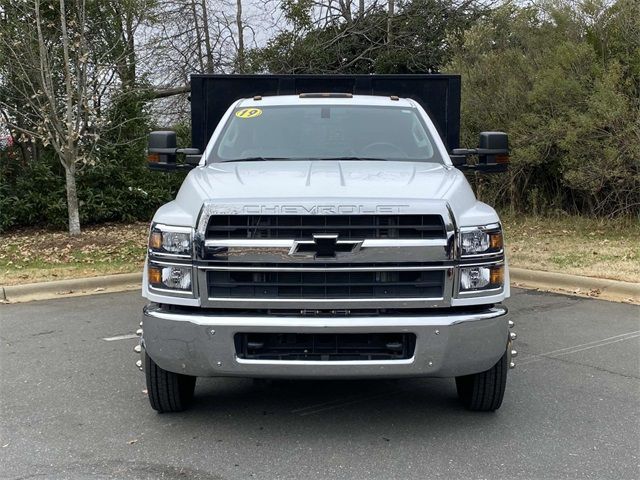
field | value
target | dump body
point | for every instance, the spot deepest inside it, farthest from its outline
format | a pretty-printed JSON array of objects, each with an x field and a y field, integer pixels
[{"x": 438, "y": 94}]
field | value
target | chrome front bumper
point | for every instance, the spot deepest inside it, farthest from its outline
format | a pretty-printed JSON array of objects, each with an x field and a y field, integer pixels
[{"x": 447, "y": 344}]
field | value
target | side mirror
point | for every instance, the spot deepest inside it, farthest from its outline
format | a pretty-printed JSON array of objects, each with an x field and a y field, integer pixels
[
  {"x": 492, "y": 153},
  {"x": 162, "y": 153},
  {"x": 161, "y": 150}
]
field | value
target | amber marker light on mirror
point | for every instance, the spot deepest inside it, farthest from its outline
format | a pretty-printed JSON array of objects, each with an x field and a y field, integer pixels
[
  {"x": 153, "y": 157},
  {"x": 502, "y": 159}
]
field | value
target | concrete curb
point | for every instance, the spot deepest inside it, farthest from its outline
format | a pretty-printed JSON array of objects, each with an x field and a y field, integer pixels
[
  {"x": 602, "y": 288},
  {"x": 547, "y": 281},
  {"x": 72, "y": 287}
]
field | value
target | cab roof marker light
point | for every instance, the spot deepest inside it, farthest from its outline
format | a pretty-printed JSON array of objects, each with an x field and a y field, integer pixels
[{"x": 325, "y": 95}]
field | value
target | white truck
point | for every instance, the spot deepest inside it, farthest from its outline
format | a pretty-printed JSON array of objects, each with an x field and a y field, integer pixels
[{"x": 326, "y": 235}]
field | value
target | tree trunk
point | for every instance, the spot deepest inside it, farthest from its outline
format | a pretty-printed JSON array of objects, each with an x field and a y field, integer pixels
[
  {"x": 72, "y": 199},
  {"x": 345, "y": 9},
  {"x": 361, "y": 8},
  {"x": 207, "y": 37},
  {"x": 131, "y": 53},
  {"x": 390, "y": 13},
  {"x": 196, "y": 26},
  {"x": 240, "y": 59}
]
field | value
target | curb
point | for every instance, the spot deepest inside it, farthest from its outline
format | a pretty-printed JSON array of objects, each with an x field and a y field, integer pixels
[
  {"x": 601, "y": 288},
  {"x": 71, "y": 288}
]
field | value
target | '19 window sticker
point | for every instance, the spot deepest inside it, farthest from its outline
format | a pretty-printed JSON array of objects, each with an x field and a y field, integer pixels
[{"x": 249, "y": 113}]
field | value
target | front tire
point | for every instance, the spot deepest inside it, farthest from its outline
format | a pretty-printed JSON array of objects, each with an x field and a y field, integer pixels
[
  {"x": 484, "y": 391},
  {"x": 168, "y": 391}
]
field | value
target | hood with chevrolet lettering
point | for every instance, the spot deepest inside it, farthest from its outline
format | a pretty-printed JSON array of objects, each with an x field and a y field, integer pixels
[{"x": 326, "y": 187}]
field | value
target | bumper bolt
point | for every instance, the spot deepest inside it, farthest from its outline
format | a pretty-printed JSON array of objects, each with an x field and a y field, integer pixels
[
  {"x": 512, "y": 365},
  {"x": 139, "y": 364},
  {"x": 219, "y": 364},
  {"x": 513, "y": 335},
  {"x": 212, "y": 331},
  {"x": 137, "y": 349},
  {"x": 514, "y": 353},
  {"x": 140, "y": 324},
  {"x": 511, "y": 324},
  {"x": 139, "y": 332},
  {"x": 437, "y": 332}
]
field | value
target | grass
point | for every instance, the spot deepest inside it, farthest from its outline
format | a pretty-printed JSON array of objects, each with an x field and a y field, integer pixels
[
  {"x": 577, "y": 245},
  {"x": 30, "y": 255}
]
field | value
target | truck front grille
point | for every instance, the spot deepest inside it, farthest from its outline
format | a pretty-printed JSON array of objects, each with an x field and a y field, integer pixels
[
  {"x": 305, "y": 226},
  {"x": 325, "y": 347},
  {"x": 325, "y": 284},
  {"x": 325, "y": 262}
]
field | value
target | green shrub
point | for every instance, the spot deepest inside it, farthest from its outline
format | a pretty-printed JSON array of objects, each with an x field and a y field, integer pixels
[
  {"x": 33, "y": 193},
  {"x": 571, "y": 108}
]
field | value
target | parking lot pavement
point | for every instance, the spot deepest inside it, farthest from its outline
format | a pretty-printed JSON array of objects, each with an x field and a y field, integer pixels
[{"x": 73, "y": 406}]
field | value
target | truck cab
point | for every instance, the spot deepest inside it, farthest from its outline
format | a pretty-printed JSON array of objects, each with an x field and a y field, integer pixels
[{"x": 326, "y": 235}]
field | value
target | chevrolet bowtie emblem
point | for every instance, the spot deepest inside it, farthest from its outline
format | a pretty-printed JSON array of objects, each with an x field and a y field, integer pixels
[{"x": 324, "y": 246}]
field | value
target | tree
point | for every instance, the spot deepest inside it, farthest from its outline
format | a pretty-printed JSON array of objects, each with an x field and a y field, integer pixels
[
  {"x": 65, "y": 67},
  {"x": 415, "y": 36},
  {"x": 553, "y": 80},
  {"x": 47, "y": 62}
]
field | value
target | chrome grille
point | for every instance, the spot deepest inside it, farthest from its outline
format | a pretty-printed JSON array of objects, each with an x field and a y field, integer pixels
[
  {"x": 326, "y": 284},
  {"x": 279, "y": 262},
  {"x": 305, "y": 226}
]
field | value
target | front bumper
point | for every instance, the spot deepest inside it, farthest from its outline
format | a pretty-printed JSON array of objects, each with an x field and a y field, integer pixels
[{"x": 447, "y": 344}]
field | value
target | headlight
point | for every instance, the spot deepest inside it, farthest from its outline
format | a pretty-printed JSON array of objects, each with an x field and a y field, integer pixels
[
  {"x": 170, "y": 277},
  {"x": 481, "y": 240},
  {"x": 481, "y": 278},
  {"x": 167, "y": 240}
]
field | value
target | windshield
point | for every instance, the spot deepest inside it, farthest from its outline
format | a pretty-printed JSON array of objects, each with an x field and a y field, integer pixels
[{"x": 303, "y": 132}]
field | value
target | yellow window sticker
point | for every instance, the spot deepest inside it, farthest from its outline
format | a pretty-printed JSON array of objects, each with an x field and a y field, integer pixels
[{"x": 248, "y": 113}]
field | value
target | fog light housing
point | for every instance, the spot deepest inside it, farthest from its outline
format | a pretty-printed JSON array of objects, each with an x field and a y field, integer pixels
[
  {"x": 481, "y": 278},
  {"x": 171, "y": 277}
]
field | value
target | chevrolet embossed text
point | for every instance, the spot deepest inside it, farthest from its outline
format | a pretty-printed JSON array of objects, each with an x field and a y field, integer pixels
[{"x": 317, "y": 209}]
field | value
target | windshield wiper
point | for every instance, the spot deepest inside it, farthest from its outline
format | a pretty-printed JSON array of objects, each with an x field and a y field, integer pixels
[
  {"x": 264, "y": 159},
  {"x": 256, "y": 159},
  {"x": 348, "y": 158}
]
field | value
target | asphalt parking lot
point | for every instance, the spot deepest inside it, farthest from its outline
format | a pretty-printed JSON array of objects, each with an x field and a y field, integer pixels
[{"x": 73, "y": 406}]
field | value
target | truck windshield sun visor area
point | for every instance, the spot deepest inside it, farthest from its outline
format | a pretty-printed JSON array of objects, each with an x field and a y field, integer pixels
[{"x": 325, "y": 132}]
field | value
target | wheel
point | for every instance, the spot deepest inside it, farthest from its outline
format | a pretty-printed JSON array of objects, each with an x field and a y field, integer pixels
[
  {"x": 484, "y": 391},
  {"x": 168, "y": 391}
]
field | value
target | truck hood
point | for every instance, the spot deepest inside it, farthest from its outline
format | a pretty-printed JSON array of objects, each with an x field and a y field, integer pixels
[
  {"x": 321, "y": 178},
  {"x": 304, "y": 182}
]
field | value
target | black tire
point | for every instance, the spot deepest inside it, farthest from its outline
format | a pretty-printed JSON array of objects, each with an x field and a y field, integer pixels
[
  {"x": 484, "y": 391},
  {"x": 168, "y": 391}
]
